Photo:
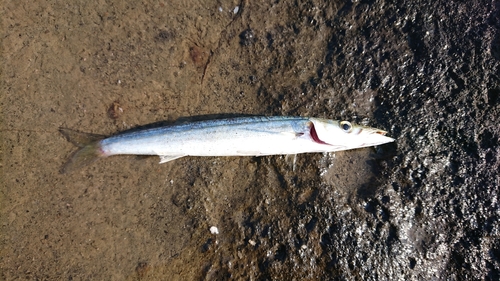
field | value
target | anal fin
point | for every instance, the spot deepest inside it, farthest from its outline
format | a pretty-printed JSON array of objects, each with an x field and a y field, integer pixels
[{"x": 167, "y": 158}]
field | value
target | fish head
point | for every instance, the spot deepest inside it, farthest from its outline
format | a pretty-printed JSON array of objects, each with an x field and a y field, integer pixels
[{"x": 346, "y": 135}]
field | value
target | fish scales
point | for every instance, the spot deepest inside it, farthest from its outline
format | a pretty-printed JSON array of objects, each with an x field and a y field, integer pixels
[{"x": 242, "y": 136}]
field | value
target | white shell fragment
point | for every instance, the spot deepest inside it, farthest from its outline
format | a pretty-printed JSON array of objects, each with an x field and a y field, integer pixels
[{"x": 214, "y": 230}]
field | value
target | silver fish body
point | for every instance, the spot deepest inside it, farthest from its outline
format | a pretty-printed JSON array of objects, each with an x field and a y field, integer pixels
[{"x": 243, "y": 136}]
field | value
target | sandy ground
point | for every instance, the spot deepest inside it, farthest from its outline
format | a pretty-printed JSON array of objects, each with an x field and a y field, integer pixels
[{"x": 104, "y": 67}]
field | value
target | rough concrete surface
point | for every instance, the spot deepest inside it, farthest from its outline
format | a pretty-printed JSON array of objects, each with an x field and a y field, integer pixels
[{"x": 423, "y": 208}]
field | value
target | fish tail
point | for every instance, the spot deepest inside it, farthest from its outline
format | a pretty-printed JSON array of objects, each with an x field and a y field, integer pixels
[{"x": 90, "y": 149}]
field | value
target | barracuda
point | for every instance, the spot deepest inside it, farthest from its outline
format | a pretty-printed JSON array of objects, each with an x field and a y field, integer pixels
[{"x": 242, "y": 136}]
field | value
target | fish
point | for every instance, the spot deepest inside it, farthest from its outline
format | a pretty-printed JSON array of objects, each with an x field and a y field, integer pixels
[{"x": 237, "y": 136}]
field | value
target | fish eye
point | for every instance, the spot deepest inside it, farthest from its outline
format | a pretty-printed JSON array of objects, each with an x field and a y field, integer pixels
[{"x": 346, "y": 126}]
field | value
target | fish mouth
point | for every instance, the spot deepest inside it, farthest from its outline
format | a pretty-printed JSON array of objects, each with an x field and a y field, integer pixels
[
  {"x": 377, "y": 137},
  {"x": 373, "y": 131},
  {"x": 382, "y": 136}
]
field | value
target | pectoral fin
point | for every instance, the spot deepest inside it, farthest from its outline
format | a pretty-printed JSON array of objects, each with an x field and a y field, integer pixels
[{"x": 167, "y": 158}]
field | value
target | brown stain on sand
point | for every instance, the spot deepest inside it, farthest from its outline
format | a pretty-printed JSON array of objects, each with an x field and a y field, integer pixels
[{"x": 199, "y": 56}]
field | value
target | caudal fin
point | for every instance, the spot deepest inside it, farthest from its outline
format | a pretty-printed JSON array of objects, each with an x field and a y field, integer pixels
[{"x": 90, "y": 149}]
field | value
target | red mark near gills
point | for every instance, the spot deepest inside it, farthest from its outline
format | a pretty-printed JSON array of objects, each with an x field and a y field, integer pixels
[{"x": 314, "y": 135}]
